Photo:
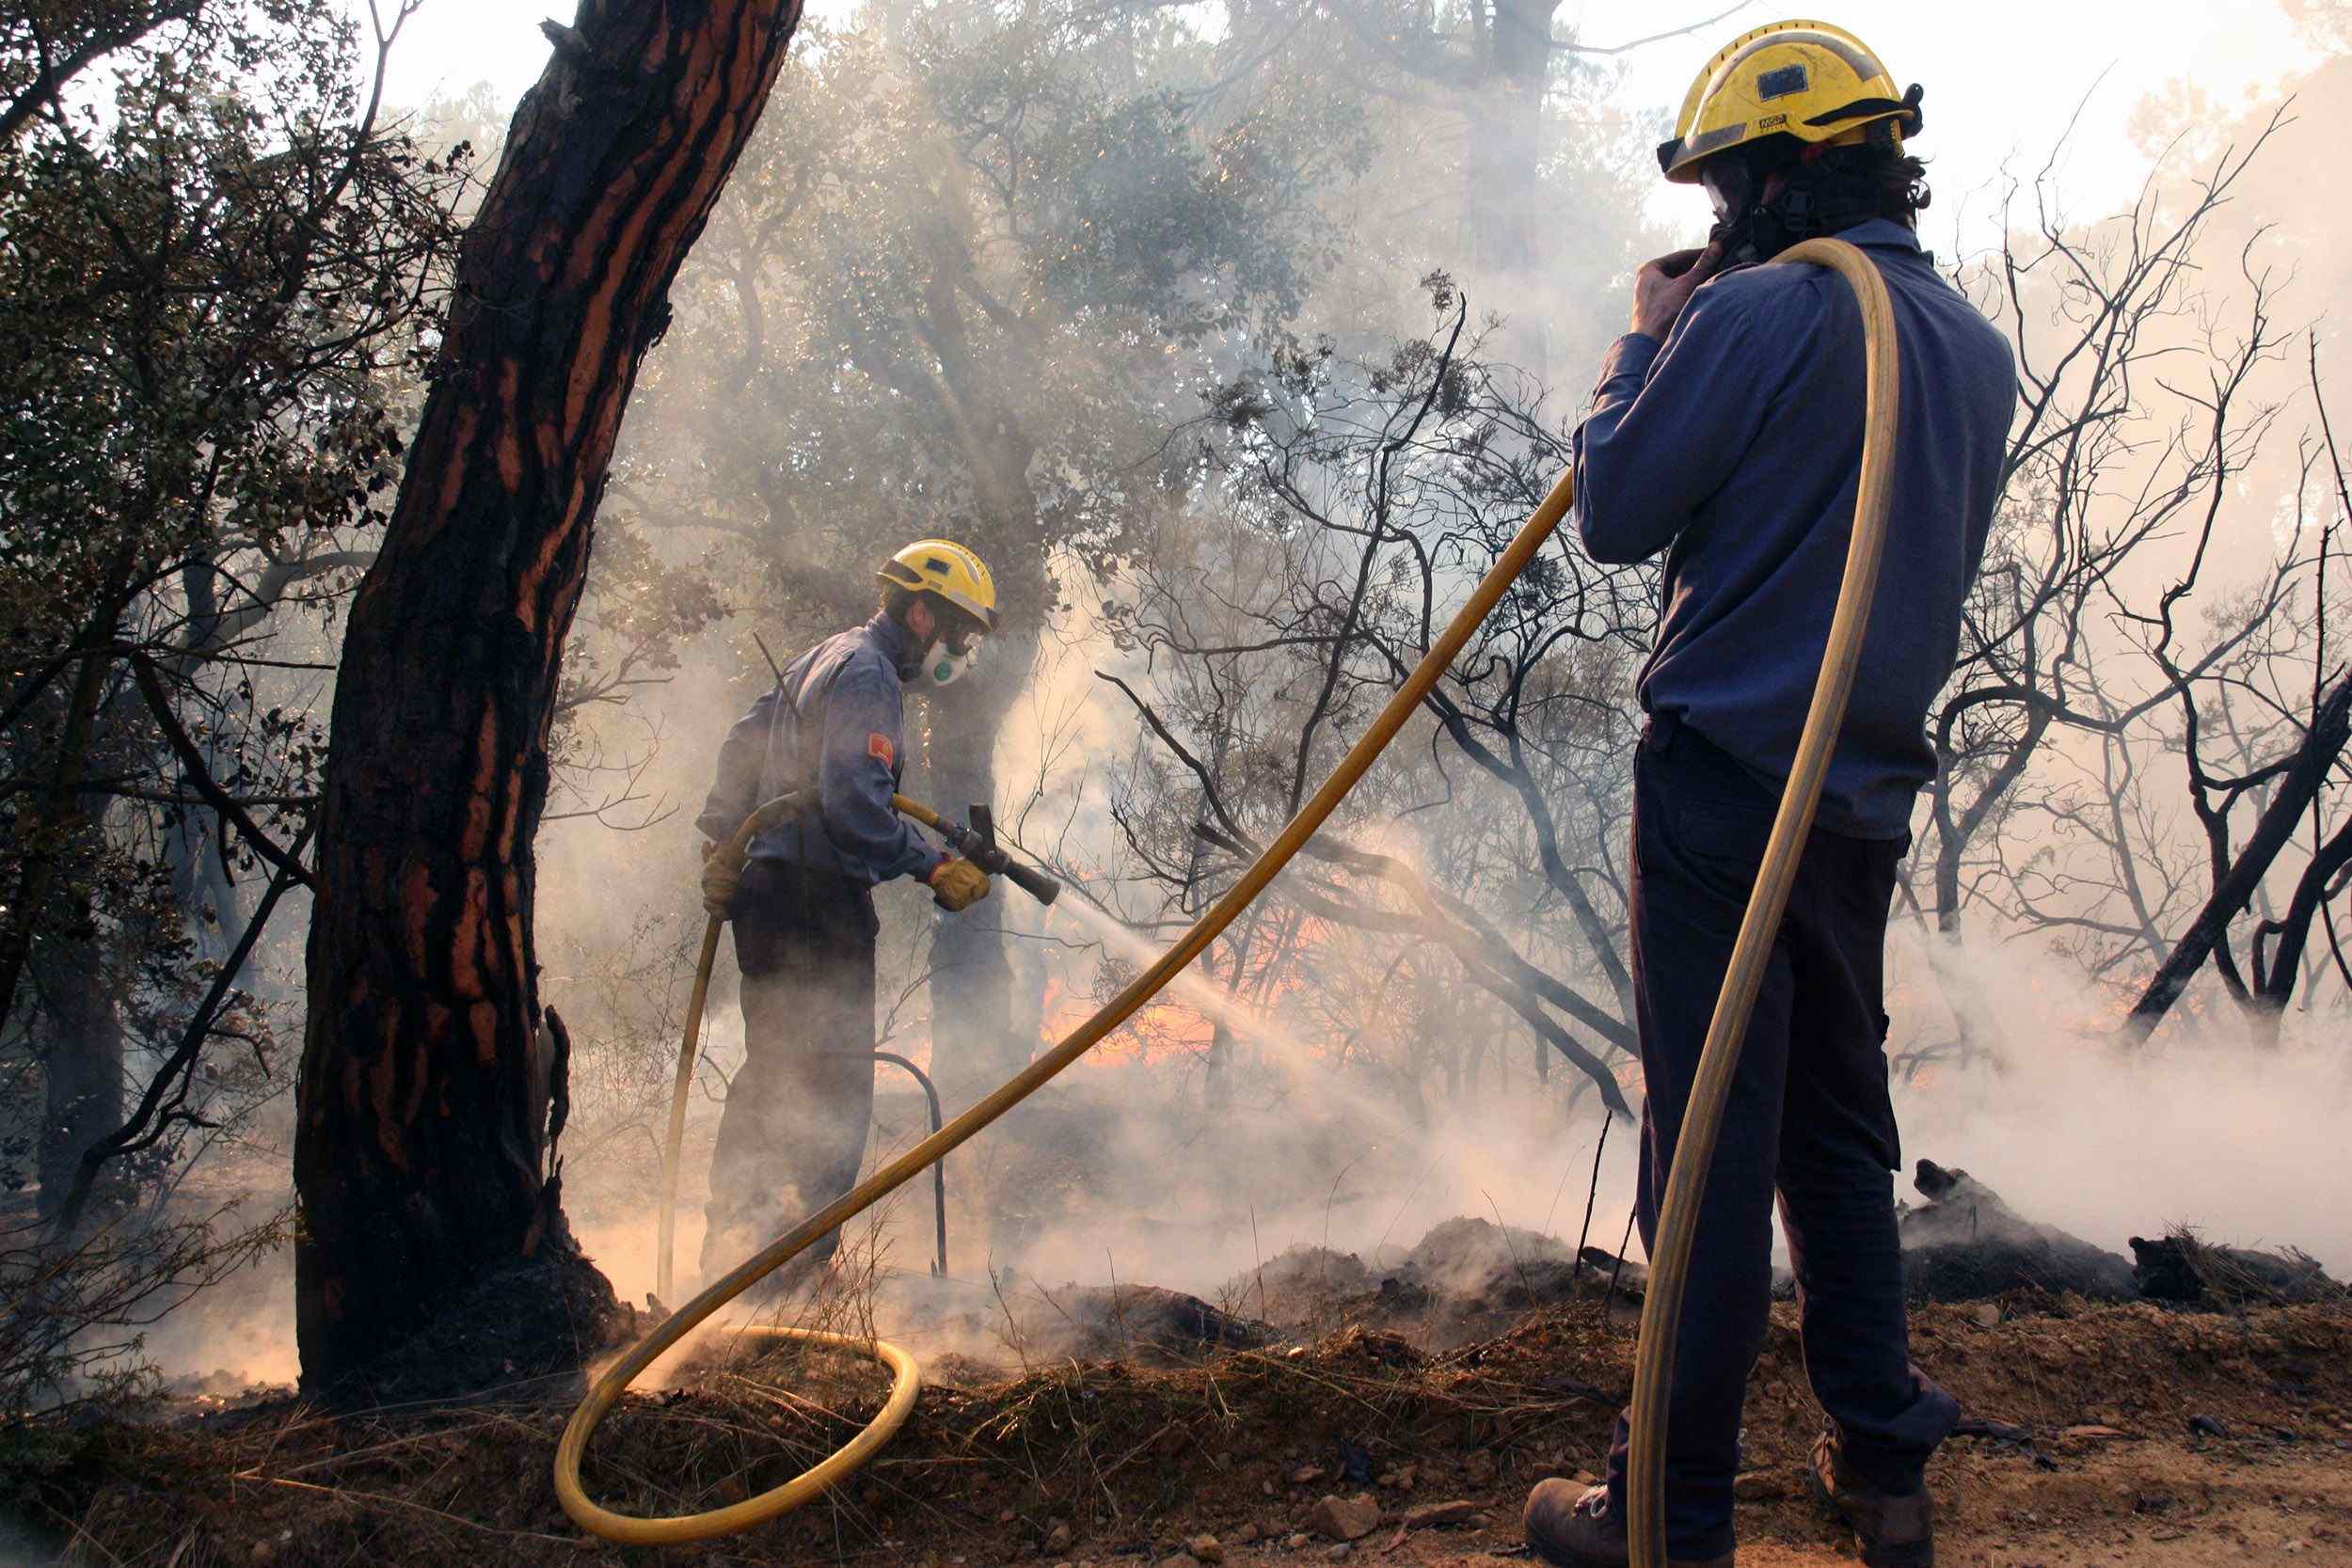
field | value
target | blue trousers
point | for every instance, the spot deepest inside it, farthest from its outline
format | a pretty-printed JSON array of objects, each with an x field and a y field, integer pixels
[
  {"x": 793, "y": 1132},
  {"x": 1809, "y": 1118}
]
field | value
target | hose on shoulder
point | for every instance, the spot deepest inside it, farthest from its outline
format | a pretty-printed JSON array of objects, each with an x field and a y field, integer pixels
[
  {"x": 1703, "y": 1118},
  {"x": 1662, "y": 1308}
]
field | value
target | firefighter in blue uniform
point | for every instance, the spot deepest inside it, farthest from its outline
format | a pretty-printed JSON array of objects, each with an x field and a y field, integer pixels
[
  {"x": 1726, "y": 434},
  {"x": 793, "y": 1132}
]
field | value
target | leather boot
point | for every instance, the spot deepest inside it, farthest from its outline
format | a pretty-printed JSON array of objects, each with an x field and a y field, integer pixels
[
  {"x": 1896, "y": 1530},
  {"x": 1573, "y": 1530}
]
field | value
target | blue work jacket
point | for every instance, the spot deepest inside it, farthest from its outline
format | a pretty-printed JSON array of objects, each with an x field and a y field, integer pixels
[
  {"x": 834, "y": 721},
  {"x": 1736, "y": 446}
]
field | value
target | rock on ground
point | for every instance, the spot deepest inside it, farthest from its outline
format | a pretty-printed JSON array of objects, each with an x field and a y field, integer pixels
[{"x": 1344, "y": 1518}]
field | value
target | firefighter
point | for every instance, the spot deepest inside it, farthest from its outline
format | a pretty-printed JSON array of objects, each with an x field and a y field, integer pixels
[
  {"x": 793, "y": 1132},
  {"x": 1726, "y": 433}
]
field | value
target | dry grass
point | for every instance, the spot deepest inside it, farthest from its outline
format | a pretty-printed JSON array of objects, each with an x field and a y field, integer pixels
[
  {"x": 2234, "y": 1277},
  {"x": 1126, "y": 1457}
]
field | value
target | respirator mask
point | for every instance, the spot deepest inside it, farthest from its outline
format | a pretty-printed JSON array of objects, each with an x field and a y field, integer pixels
[
  {"x": 1733, "y": 190},
  {"x": 950, "y": 657}
]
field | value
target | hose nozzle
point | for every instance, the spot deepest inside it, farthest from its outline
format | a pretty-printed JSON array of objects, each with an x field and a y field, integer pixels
[{"x": 978, "y": 843}]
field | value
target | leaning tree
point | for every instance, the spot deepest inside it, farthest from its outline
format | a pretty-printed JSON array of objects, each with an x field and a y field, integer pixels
[{"x": 433, "y": 1089}]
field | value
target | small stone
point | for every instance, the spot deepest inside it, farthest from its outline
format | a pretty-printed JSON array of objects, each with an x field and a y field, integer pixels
[
  {"x": 1460, "y": 1510},
  {"x": 1006, "y": 1517},
  {"x": 1344, "y": 1518},
  {"x": 1299, "y": 1541},
  {"x": 1205, "y": 1548},
  {"x": 1058, "y": 1539},
  {"x": 2205, "y": 1426},
  {"x": 1480, "y": 1468},
  {"x": 1760, "y": 1487},
  {"x": 1987, "y": 1315},
  {"x": 1246, "y": 1534},
  {"x": 1306, "y": 1475},
  {"x": 1269, "y": 1489}
]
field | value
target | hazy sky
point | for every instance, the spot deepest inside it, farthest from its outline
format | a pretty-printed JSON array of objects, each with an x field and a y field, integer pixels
[{"x": 2002, "y": 75}]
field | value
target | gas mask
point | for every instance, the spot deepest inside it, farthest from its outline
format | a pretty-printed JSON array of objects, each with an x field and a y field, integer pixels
[
  {"x": 1747, "y": 228},
  {"x": 947, "y": 660}
]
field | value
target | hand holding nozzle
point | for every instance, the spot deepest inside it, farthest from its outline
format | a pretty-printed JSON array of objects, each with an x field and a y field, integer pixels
[
  {"x": 957, "y": 883},
  {"x": 978, "y": 845}
]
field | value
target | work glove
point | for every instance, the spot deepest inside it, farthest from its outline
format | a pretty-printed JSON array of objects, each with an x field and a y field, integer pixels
[
  {"x": 958, "y": 884},
  {"x": 723, "y": 874}
]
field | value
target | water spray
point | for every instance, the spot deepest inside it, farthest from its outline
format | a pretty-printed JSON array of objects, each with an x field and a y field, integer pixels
[{"x": 1670, "y": 1263}]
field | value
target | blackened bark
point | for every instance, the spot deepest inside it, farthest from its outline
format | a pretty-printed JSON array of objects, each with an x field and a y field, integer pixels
[
  {"x": 421, "y": 1155},
  {"x": 79, "y": 1031},
  {"x": 2331, "y": 726},
  {"x": 2275, "y": 973},
  {"x": 54, "y": 827}
]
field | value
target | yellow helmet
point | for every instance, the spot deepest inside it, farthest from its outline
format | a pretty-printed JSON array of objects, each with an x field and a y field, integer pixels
[
  {"x": 948, "y": 569},
  {"x": 1802, "y": 79}
]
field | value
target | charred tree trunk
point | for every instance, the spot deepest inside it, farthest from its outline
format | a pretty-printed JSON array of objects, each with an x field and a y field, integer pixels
[
  {"x": 2323, "y": 743},
  {"x": 79, "y": 1028},
  {"x": 53, "y": 826},
  {"x": 431, "y": 1089},
  {"x": 2277, "y": 971}
]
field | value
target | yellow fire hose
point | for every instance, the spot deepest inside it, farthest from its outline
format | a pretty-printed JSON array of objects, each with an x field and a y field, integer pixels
[
  {"x": 1670, "y": 1263},
  {"x": 753, "y": 826}
]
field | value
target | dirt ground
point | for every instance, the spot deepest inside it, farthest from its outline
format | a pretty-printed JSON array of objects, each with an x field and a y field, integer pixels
[{"x": 2109, "y": 1436}]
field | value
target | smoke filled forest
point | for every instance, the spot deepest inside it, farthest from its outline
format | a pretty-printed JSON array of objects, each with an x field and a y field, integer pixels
[{"x": 402, "y": 492}]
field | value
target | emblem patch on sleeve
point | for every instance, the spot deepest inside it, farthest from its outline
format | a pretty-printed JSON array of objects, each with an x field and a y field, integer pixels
[{"x": 877, "y": 745}]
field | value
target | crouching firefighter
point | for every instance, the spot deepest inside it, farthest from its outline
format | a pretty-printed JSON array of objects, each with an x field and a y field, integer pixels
[
  {"x": 1726, "y": 433},
  {"x": 793, "y": 1132}
]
